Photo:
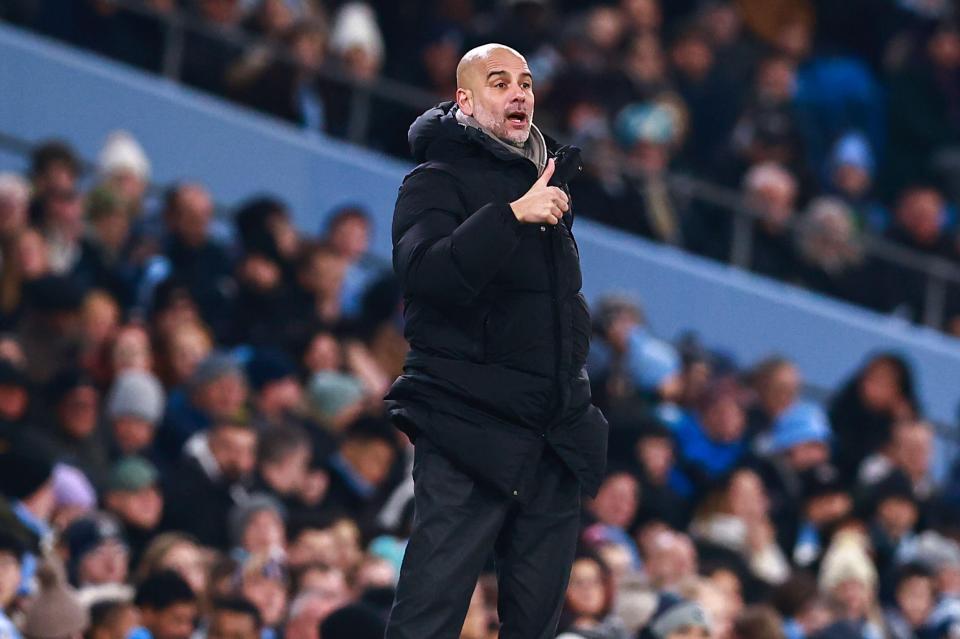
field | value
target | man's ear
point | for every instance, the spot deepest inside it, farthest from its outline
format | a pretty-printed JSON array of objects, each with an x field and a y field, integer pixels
[{"x": 465, "y": 101}]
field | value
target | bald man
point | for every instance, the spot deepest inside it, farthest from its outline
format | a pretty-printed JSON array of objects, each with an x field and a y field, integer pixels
[{"x": 494, "y": 394}]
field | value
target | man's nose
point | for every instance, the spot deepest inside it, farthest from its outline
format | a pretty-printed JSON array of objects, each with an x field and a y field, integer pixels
[{"x": 519, "y": 95}]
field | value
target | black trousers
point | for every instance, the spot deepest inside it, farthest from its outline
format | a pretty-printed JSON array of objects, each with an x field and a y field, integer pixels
[{"x": 457, "y": 522}]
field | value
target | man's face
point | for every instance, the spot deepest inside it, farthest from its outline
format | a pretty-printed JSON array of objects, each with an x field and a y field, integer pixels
[
  {"x": 9, "y": 577},
  {"x": 173, "y": 622},
  {"x": 230, "y": 624},
  {"x": 499, "y": 95},
  {"x": 138, "y": 508},
  {"x": 235, "y": 450},
  {"x": 132, "y": 434},
  {"x": 107, "y": 564},
  {"x": 193, "y": 214},
  {"x": 286, "y": 475},
  {"x": 79, "y": 412},
  {"x": 13, "y": 402}
]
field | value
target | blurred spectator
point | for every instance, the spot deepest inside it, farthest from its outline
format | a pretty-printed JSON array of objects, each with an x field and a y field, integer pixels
[
  {"x": 831, "y": 254},
  {"x": 234, "y": 619},
  {"x": 134, "y": 408},
  {"x": 216, "y": 479},
  {"x": 864, "y": 411},
  {"x": 70, "y": 430},
  {"x": 54, "y": 170},
  {"x": 914, "y": 602},
  {"x": 177, "y": 552},
  {"x": 132, "y": 494},
  {"x": 195, "y": 258},
  {"x": 852, "y": 170},
  {"x": 710, "y": 440},
  {"x": 776, "y": 382},
  {"x": 771, "y": 192},
  {"x": 111, "y": 619},
  {"x": 824, "y": 505},
  {"x": 216, "y": 390},
  {"x": 11, "y": 551},
  {"x": 56, "y": 611},
  {"x": 737, "y": 517},
  {"x": 124, "y": 168},
  {"x": 96, "y": 550},
  {"x": 168, "y": 608}
]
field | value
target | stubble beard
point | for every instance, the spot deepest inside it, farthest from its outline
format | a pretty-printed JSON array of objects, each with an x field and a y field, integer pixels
[{"x": 499, "y": 126}]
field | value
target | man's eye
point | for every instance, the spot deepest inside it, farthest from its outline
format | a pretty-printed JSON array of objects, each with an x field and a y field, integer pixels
[
  {"x": 500, "y": 85},
  {"x": 527, "y": 85}
]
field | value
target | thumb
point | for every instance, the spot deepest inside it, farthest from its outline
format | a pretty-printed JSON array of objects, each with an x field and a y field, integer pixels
[{"x": 547, "y": 174}]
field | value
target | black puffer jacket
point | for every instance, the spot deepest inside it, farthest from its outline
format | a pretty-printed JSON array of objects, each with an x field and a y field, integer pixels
[{"x": 498, "y": 329}]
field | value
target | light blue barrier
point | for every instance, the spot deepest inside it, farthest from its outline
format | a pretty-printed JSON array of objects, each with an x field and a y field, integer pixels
[{"x": 51, "y": 90}]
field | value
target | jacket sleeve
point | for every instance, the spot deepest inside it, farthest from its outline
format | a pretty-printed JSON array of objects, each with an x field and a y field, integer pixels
[{"x": 443, "y": 252}]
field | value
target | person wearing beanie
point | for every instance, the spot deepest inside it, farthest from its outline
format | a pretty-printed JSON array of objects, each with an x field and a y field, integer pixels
[
  {"x": 56, "y": 612},
  {"x": 849, "y": 578},
  {"x": 168, "y": 607},
  {"x": 73, "y": 494},
  {"x": 798, "y": 440},
  {"x": 134, "y": 408},
  {"x": 133, "y": 495},
  {"x": 335, "y": 398},
  {"x": 276, "y": 392},
  {"x": 97, "y": 551},
  {"x": 124, "y": 166},
  {"x": 678, "y": 619}
]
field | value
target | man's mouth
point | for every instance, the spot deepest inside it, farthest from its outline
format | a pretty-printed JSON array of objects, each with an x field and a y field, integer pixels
[{"x": 518, "y": 119}]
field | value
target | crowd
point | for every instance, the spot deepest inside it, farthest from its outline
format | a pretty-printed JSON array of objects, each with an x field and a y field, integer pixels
[
  {"x": 193, "y": 444},
  {"x": 831, "y": 129}
]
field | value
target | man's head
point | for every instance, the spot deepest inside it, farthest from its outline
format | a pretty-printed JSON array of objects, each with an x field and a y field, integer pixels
[
  {"x": 111, "y": 619},
  {"x": 234, "y": 618},
  {"x": 167, "y": 605},
  {"x": 617, "y": 500},
  {"x": 920, "y": 213},
  {"x": 134, "y": 407},
  {"x": 495, "y": 87},
  {"x": 97, "y": 551},
  {"x": 912, "y": 448},
  {"x": 369, "y": 447},
  {"x": 284, "y": 458},
  {"x": 188, "y": 211},
  {"x": 233, "y": 445},
  {"x": 916, "y": 593},
  {"x": 132, "y": 493},
  {"x": 53, "y": 165}
]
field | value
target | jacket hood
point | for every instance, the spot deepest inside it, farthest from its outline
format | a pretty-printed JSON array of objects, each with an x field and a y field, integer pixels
[
  {"x": 437, "y": 124},
  {"x": 437, "y": 134}
]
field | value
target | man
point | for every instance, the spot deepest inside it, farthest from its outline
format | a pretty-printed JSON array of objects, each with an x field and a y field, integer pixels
[
  {"x": 215, "y": 480},
  {"x": 132, "y": 494},
  {"x": 168, "y": 608},
  {"x": 494, "y": 392},
  {"x": 234, "y": 618},
  {"x": 96, "y": 551}
]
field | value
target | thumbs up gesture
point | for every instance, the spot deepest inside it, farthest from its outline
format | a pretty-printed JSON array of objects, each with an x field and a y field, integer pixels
[{"x": 542, "y": 204}]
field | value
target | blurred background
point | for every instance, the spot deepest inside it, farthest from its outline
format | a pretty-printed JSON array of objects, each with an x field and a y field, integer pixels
[{"x": 198, "y": 317}]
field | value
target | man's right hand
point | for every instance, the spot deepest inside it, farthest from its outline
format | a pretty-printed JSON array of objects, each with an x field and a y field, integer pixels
[{"x": 542, "y": 204}]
